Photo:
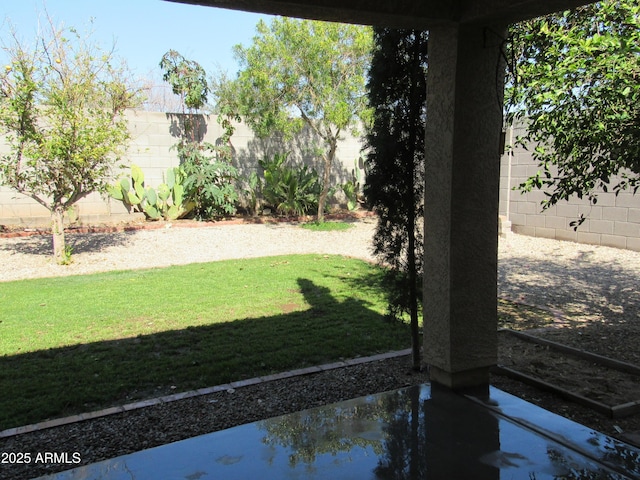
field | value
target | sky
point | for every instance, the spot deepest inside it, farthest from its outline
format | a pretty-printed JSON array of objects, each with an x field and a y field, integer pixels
[{"x": 143, "y": 30}]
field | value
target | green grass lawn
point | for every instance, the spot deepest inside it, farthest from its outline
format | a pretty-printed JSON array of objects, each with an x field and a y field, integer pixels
[
  {"x": 326, "y": 226},
  {"x": 76, "y": 344}
]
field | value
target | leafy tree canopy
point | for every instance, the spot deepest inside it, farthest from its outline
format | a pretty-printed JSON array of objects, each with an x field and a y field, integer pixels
[
  {"x": 577, "y": 86},
  {"x": 297, "y": 73},
  {"x": 61, "y": 105},
  {"x": 187, "y": 78}
]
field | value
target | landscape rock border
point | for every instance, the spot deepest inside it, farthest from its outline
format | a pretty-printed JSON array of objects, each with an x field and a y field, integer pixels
[{"x": 17, "y": 231}]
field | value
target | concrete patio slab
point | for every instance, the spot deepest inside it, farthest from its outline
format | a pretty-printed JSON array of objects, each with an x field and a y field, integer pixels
[{"x": 417, "y": 432}]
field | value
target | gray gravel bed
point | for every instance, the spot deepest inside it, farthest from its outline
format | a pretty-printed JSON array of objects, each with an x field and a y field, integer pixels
[
  {"x": 586, "y": 282},
  {"x": 29, "y": 257}
]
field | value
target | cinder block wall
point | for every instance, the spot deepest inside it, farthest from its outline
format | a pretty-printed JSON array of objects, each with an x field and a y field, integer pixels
[
  {"x": 614, "y": 221},
  {"x": 153, "y": 135}
]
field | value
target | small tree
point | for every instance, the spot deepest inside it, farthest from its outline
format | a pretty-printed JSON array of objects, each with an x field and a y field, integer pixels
[
  {"x": 188, "y": 80},
  {"x": 576, "y": 87},
  {"x": 208, "y": 169},
  {"x": 395, "y": 165},
  {"x": 298, "y": 73},
  {"x": 61, "y": 105}
]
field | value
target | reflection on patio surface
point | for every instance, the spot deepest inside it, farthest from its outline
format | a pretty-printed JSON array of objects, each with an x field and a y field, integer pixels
[{"x": 414, "y": 433}]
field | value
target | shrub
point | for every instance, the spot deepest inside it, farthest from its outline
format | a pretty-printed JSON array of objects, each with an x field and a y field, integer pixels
[
  {"x": 209, "y": 181},
  {"x": 353, "y": 188},
  {"x": 290, "y": 190},
  {"x": 251, "y": 188}
]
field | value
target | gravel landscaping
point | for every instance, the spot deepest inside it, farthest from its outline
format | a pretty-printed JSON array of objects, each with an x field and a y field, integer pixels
[{"x": 175, "y": 244}]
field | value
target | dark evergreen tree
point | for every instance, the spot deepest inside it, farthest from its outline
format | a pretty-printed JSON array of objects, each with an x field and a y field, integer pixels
[{"x": 395, "y": 165}]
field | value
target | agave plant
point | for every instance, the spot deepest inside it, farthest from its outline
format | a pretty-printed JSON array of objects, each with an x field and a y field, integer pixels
[{"x": 290, "y": 190}]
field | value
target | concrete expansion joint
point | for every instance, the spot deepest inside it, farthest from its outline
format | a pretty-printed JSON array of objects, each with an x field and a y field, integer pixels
[{"x": 57, "y": 422}]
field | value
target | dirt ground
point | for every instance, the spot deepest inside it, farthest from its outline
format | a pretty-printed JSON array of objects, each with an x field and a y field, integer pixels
[{"x": 587, "y": 378}]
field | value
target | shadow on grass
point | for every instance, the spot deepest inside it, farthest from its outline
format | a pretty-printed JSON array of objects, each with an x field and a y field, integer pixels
[
  {"x": 79, "y": 243},
  {"x": 70, "y": 380}
]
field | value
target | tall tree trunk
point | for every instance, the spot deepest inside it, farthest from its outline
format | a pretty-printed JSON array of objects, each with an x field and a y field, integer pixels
[
  {"x": 326, "y": 175},
  {"x": 413, "y": 291},
  {"x": 411, "y": 206},
  {"x": 57, "y": 230}
]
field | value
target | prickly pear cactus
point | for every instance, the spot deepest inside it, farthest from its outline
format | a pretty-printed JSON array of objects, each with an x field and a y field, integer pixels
[
  {"x": 171, "y": 178},
  {"x": 152, "y": 212},
  {"x": 164, "y": 192},
  {"x": 166, "y": 201},
  {"x": 151, "y": 196}
]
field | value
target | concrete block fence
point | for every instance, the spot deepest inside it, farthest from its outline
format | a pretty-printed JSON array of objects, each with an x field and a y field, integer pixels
[
  {"x": 614, "y": 221},
  {"x": 153, "y": 135}
]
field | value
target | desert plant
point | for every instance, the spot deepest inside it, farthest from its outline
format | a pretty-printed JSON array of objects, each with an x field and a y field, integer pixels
[
  {"x": 353, "y": 188},
  {"x": 209, "y": 180},
  {"x": 252, "y": 192},
  {"x": 166, "y": 201},
  {"x": 290, "y": 190}
]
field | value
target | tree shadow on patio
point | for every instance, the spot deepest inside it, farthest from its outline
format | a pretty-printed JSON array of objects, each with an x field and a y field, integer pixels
[{"x": 599, "y": 302}]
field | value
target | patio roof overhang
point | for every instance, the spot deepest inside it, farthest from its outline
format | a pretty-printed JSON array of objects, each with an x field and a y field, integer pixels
[
  {"x": 462, "y": 180},
  {"x": 420, "y": 14}
]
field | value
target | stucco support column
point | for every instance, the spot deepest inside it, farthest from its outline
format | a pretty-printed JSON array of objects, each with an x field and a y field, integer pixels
[{"x": 464, "y": 111}]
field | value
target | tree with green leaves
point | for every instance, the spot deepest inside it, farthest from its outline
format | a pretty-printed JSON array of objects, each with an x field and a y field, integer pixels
[
  {"x": 188, "y": 81},
  {"x": 61, "y": 108},
  {"x": 395, "y": 165},
  {"x": 209, "y": 174},
  {"x": 301, "y": 73},
  {"x": 576, "y": 87},
  {"x": 187, "y": 78}
]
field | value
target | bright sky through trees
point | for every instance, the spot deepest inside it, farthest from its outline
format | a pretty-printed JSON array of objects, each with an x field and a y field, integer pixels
[{"x": 143, "y": 30}]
